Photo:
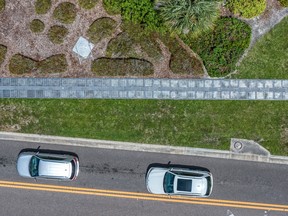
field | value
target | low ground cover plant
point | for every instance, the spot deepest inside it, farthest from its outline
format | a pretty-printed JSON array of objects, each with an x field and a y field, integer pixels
[
  {"x": 42, "y": 6},
  {"x": 65, "y": 12},
  {"x": 101, "y": 28},
  {"x": 3, "y": 51},
  {"x": 37, "y": 25},
  {"x": 87, "y": 4},
  {"x": 246, "y": 9},
  {"x": 2, "y": 5},
  {"x": 181, "y": 61},
  {"x": 20, "y": 64},
  {"x": 221, "y": 48},
  {"x": 121, "y": 67},
  {"x": 284, "y": 3},
  {"x": 57, "y": 34}
]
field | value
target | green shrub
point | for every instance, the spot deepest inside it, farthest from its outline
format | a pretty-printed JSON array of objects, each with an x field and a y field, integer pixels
[
  {"x": 247, "y": 9},
  {"x": 65, "y": 12},
  {"x": 184, "y": 16},
  {"x": 37, "y": 25},
  {"x": 121, "y": 67},
  {"x": 53, "y": 64},
  {"x": 20, "y": 64},
  {"x": 42, "y": 6},
  {"x": 112, "y": 6},
  {"x": 284, "y": 3},
  {"x": 101, "y": 28},
  {"x": 87, "y": 4},
  {"x": 2, "y": 5},
  {"x": 138, "y": 12},
  {"x": 3, "y": 51},
  {"x": 57, "y": 34},
  {"x": 221, "y": 48}
]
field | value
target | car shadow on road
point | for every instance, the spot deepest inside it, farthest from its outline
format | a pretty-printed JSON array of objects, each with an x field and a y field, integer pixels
[
  {"x": 169, "y": 165},
  {"x": 48, "y": 151}
]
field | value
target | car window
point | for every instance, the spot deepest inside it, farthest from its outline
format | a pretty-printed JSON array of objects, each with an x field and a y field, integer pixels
[
  {"x": 33, "y": 166},
  {"x": 168, "y": 182}
]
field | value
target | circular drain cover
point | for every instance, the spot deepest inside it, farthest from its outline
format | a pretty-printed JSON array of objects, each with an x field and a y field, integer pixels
[{"x": 238, "y": 145}]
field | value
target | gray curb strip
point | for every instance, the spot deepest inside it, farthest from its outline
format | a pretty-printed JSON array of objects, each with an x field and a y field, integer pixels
[{"x": 140, "y": 147}]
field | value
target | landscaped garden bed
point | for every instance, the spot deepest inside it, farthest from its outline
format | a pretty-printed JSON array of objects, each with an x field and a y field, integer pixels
[{"x": 126, "y": 29}]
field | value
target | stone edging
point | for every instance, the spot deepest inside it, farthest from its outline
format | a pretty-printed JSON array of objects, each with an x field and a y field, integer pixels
[{"x": 144, "y": 88}]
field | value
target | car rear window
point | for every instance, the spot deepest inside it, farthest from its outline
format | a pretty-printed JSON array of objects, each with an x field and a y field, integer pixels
[
  {"x": 168, "y": 182},
  {"x": 184, "y": 185}
]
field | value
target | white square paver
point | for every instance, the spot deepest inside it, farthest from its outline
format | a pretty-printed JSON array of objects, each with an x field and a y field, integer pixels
[{"x": 83, "y": 47}]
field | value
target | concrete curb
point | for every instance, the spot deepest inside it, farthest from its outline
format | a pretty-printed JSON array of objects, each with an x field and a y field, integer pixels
[{"x": 141, "y": 147}]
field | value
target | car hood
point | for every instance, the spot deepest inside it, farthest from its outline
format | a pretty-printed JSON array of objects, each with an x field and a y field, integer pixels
[
  {"x": 154, "y": 180},
  {"x": 199, "y": 186},
  {"x": 23, "y": 165}
]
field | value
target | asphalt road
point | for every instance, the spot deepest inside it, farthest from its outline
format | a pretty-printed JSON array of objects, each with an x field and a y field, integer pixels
[{"x": 122, "y": 171}]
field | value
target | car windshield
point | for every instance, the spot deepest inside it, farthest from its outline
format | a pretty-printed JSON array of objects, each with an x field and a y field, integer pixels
[
  {"x": 33, "y": 166},
  {"x": 168, "y": 182}
]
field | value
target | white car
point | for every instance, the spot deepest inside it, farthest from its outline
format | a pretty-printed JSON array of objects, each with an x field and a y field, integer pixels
[
  {"x": 48, "y": 166},
  {"x": 179, "y": 181}
]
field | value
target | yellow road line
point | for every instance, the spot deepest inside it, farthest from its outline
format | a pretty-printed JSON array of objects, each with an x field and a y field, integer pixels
[{"x": 144, "y": 196}]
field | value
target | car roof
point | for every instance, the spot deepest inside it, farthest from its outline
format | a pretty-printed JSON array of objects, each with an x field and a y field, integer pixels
[{"x": 55, "y": 168}]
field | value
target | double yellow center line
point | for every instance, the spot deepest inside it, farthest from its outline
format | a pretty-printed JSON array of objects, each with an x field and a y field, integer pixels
[{"x": 144, "y": 196}]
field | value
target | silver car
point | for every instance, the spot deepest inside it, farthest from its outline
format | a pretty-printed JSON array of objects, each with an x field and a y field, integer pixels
[
  {"x": 48, "y": 166},
  {"x": 179, "y": 181}
]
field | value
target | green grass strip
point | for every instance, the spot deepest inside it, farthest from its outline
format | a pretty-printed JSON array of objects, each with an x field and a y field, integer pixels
[
  {"x": 205, "y": 124},
  {"x": 268, "y": 59}
]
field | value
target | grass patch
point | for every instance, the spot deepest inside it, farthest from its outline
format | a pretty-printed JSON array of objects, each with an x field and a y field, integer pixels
[
  {"x": 2, "y": 5},
  {"x": 20, "y": 64},
  {"x": 268, "y": 59},
  {"x": 57, "y": 34},
  {"x": 42, "y": 6},
  {"x": 121, "y": 67},
  {"x": 3, "y": 51},
  {"x": 208, "y": 124},
  {"x": 65, "y": 13},
  {"x": 101, "y": 28},
  {"x": 37, "y": 25},
  {"x": 87, "y": 4}
]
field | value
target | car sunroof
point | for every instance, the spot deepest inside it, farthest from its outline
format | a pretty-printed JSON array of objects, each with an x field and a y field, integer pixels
[{"x": 184, "y": 185}]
